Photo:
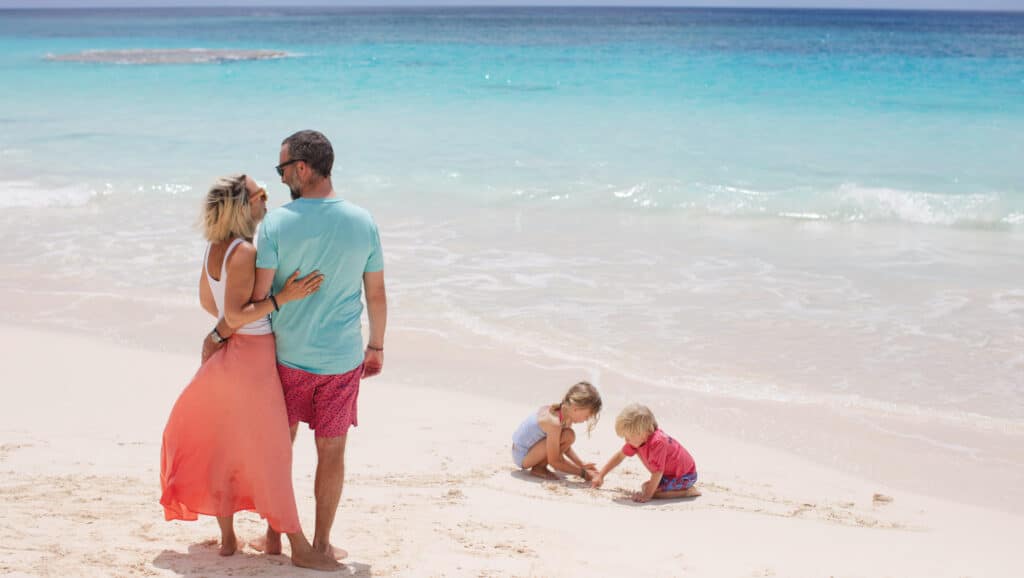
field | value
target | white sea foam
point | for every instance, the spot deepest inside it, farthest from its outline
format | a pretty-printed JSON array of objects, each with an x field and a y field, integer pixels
[
  {"x": 848, "y": 202},
  {"x": 168, "y": 188},
  {"x": 855, "y": 202},
  {"x": 805, "y": 216},
  {"x": 1008, "y": 302},
  {"x": 29, "y": 194},
  {"x": 629, "y": 192},
  {"x": 1014, "y": 219},
  {"x": 168, "y": 56}
]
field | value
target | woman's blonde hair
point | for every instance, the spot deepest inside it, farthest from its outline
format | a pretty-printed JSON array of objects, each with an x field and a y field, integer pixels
[
  {"x": 635, "y": 419},
  {"x": 227, "y": 213},
  {"x": 583, "y": 394}
]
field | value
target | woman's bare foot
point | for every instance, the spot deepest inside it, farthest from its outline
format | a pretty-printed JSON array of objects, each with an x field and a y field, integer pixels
[
  {"x": 269, "y": 544},
  {"x": 543, "y": 472},
  {"x": 228, "y": 545},
  {"x": 314, "y": 561}
]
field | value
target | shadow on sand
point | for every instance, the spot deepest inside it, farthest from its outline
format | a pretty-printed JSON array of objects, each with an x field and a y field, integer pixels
[
  {"x": 567, "y": 481},
  {"x": 626, "y": 499},
  {"x": 202, "y": 559}
]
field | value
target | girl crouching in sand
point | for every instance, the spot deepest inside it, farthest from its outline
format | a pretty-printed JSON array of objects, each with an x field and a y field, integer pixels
[
  {"x": 545, "y": 438},
  {"x": 673, "y": 471}
]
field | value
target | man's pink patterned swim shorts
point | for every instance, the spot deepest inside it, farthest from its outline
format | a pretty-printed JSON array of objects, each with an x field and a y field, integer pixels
[{"x": 326, "y": 402}]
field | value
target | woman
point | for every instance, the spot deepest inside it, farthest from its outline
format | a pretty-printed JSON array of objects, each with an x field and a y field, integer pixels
[{"x": 227, "y": 446}]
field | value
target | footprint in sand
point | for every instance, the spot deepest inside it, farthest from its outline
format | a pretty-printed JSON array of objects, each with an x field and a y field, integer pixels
[
  {"x": 556, "y": 488},
  {"x": 516, "y": 548},
  {"x": 451, "y": 497},
  {"x": 8, "y": 449},
  {"x": 843, "y": 513},
  {"x": 881, "y": 499}
]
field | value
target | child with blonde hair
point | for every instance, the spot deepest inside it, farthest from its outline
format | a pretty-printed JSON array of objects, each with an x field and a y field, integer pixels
[
  {"x": 545, "y": 437},
  {"x": 673, "y": 471}
]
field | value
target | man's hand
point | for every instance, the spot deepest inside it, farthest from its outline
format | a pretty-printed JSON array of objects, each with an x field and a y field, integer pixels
[
  {"x": 597, "y": 481},
  {"x": 210, "y": 347},
  {"x": 373, "y": 362}
]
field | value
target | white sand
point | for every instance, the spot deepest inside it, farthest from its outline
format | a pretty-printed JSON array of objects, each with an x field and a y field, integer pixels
[{"x": 431, "y": 491}]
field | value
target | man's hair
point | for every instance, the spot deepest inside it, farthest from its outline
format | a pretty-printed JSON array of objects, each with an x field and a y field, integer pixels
[
  {"x": 635, "y": 419},
  {"x": 313, "y": 148}
]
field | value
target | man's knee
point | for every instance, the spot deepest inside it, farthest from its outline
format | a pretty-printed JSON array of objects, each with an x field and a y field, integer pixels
[{"x": 331, "y": 447}]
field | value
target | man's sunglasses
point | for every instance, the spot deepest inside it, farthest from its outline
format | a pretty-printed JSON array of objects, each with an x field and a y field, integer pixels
[{"x": 280, "y": 167}]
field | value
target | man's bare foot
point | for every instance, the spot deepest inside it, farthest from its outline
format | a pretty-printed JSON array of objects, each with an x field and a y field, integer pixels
[
  {"x": 315, "y": 561},
  {"x": 691, "y": 492},
  {"x": 543, "y": 472},
  {"x": 228, "y": 545},
  {"x": 333, "y": 551},
  {"x": 339, "y": 553},
  {"x": 269, "y": 543}
]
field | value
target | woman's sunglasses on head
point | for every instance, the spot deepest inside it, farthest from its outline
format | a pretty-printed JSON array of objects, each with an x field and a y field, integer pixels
[{"x": 259, "y": 194}]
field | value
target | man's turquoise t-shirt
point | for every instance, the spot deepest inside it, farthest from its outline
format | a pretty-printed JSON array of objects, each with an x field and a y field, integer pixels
[{"x": 322, "y": 333}]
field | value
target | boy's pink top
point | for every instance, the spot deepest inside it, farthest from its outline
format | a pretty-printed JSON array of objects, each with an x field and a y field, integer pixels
[{"x": 662, "y": 453}]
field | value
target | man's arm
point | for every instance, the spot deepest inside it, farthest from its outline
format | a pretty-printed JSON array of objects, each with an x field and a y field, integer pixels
[
  {"x": 264, "y": 281},
  {"x": 377, "y": 312}
]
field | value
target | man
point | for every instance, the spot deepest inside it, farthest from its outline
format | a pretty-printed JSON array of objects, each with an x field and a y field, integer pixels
[{"x": 320, "y": 352}]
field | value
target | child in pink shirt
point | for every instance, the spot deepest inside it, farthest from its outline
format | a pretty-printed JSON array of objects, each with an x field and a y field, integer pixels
[{"x": 673, "y": 471}]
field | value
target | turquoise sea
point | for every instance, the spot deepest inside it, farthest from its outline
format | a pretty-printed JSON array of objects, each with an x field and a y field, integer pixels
[
  {"x": 877, "y": 116},
  {"x": 818, "y": 207}
]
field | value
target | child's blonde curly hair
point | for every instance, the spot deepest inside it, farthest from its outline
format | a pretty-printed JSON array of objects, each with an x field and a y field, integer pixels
[{"x": 635, "y": 419}]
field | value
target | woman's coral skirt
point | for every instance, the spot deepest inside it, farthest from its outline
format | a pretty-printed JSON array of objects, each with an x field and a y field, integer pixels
[{"x": 226, "y": 446}]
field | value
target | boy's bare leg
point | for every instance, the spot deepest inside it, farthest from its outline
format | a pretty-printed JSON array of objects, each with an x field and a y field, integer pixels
[
  {"x": 330, "y": 478},
  {"x": 691, "y": 492},
  {"x": 228, "y": 542}
]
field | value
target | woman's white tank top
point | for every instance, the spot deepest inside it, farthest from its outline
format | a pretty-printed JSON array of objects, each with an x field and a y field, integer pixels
[{"x": 258, "y": 327}]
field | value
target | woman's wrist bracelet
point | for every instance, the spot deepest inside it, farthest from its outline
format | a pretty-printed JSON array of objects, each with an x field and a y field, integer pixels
[
  {"x": 217, "y": 337},
  {"x": 372, "y": 348},
  {"x": 274, "y": 301}
]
